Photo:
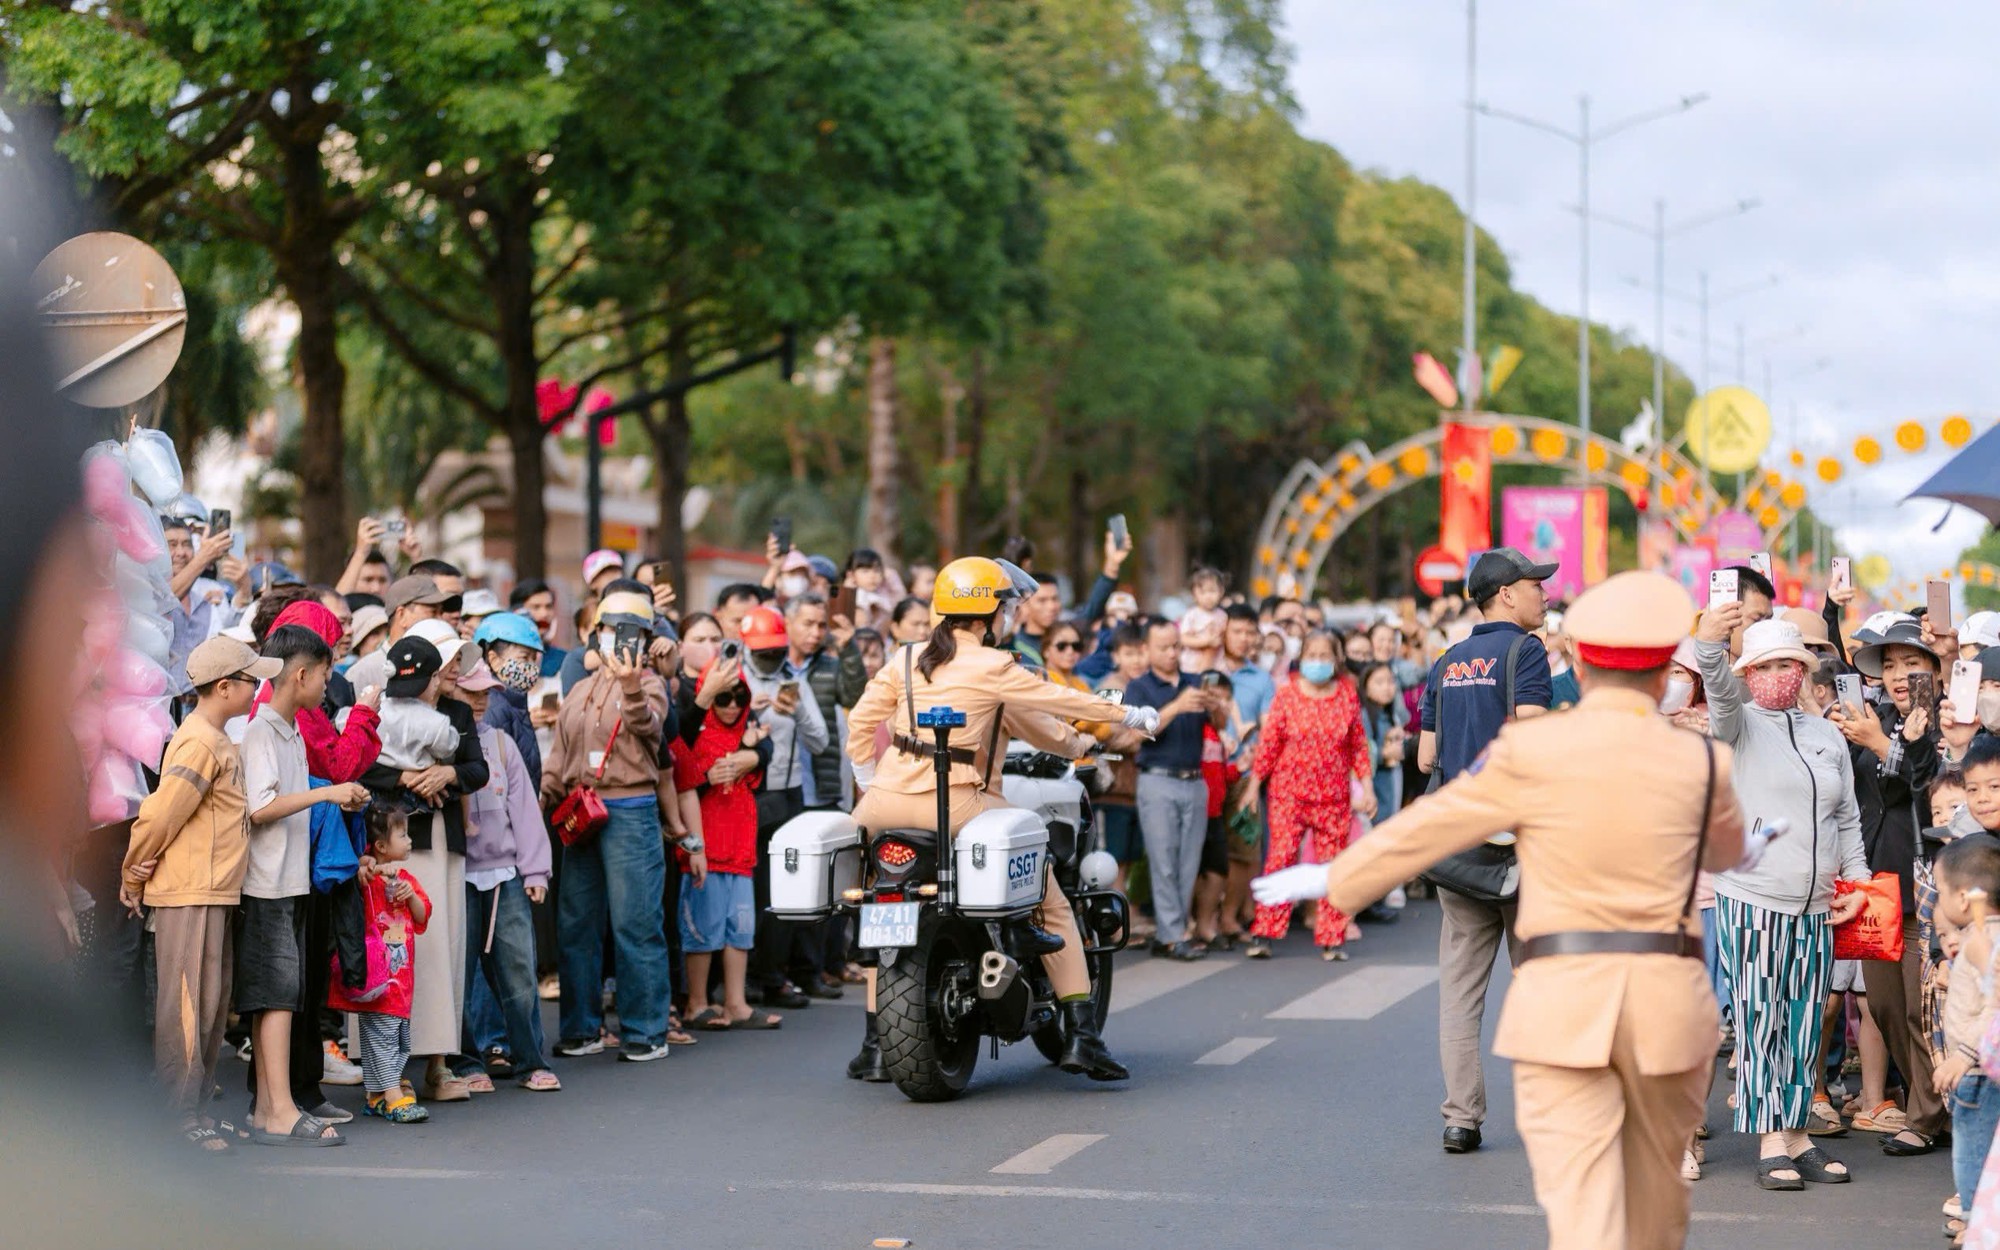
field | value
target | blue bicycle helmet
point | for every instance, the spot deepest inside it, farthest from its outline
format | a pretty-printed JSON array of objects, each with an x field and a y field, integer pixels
[{"x": 508, "y": 627}]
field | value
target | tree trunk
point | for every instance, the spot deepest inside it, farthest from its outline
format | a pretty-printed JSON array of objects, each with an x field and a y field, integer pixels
[
  {"x": 884, "y": 467},
  {"x": 975, "y": 411},
  {"x": 950, "y": 468},
  {"x": 671, "y": 441},
  {"x": 514, "y": 296},
  {"x": 1079, "y": 530}
]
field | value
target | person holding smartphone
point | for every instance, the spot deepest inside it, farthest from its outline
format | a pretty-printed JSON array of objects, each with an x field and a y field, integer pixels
[{"x": 1896, "y": 758}]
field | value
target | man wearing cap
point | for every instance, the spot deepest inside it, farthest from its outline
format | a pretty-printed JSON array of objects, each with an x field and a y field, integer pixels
[
  {"x": 1980, "y": 631},
  {"x": 1610, "y": 1021},
  {"x": 479, "y": 604},
  {"x": 1465, "y": 704},
  {"x": 408, "y": 600},
  {"x": 1895, "y": 761}
]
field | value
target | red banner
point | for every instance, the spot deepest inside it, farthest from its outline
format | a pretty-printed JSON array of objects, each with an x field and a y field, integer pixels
[{"x": 1466, "y": 499}]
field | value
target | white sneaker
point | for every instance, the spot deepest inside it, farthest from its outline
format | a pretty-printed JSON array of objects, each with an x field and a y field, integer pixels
[
  {"x": 1399, "y": 898},
  {"x": 338, "y": 1069},
  {"x": 639, "y": 1052},
  {"x": 577, "y": 1049}
]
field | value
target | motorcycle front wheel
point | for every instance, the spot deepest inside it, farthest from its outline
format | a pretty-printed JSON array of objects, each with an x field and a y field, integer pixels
[
  {"x": 929, "y": 1049},
  {"x": 1052, "y": 1037}
]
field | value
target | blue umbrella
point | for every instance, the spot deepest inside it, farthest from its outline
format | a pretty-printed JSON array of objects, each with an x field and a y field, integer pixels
[{"x": 1970, "y": 479}]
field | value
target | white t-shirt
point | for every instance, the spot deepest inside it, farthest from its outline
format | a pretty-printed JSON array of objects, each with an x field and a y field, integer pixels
[{"x": 274, "y": 765}]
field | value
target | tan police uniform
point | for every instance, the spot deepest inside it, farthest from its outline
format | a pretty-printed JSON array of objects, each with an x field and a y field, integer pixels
[
  {"x": 1000, "y": 699},
  {"x": 1612, "y": 1048}
]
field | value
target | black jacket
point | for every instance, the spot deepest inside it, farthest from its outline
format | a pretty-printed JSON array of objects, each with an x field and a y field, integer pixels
[{"x": 1895, "y": 808}]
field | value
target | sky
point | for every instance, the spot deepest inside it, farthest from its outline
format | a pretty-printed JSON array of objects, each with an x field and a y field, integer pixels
[{"x": 1866, "y": 131}]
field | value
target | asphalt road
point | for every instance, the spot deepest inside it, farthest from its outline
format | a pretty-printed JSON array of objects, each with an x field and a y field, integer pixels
[{"x": 1291, "y": 1102}]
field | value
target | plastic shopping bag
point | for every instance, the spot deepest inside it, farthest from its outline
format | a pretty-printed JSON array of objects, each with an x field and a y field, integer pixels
[{"x": 1877, "y": 933}]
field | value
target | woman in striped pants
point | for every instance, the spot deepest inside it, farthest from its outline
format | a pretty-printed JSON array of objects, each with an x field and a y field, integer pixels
[{"x": 1774, "y": 919}]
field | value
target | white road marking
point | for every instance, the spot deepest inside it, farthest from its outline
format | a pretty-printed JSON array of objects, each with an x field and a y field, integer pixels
[
  {"x": 1135, "y": 984},
  {"x": 1288, "y": 1202},
  {"x": 1235, "y": 1050},
  {"x": 1045, "y": 1156},
  {"x": 378, "y": 1174},
  {"x": 1362, "y": 994}
]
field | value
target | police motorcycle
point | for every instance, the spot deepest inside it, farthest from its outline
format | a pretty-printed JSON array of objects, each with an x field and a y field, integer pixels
[{"x": 950, "y": 931}]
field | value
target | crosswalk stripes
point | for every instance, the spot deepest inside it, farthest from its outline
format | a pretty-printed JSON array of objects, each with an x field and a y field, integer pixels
[
  {"x": 1362, "y": 994},
  {"x": 1045, "y": 1156}
]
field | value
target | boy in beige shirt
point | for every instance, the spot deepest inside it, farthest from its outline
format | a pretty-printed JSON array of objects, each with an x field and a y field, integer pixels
[{"x": 189, "y": 850}]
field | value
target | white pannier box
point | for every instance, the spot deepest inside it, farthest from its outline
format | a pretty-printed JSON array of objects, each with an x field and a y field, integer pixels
[
  {"x": 1002, "y": 856},
  {"x": 814, "y": 856}
]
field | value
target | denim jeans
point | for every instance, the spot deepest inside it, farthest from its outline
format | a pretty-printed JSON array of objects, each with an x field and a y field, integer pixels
[
  {"x": 616, "y": 880},
  {"x": 1975, "y": 1109},
  {"x": 506, "y": 973}
]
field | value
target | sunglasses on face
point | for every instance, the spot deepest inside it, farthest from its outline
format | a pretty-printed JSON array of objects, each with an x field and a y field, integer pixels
[
  {"x": 736, "y": 697},
  {"x": 1065, "y": 646}
]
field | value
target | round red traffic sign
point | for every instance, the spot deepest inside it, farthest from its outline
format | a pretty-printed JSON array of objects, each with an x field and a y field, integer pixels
[{"x": 1435, "y": 567}]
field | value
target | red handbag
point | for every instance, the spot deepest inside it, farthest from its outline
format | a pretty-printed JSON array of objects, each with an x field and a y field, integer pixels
[{"x": 581, "y": 815}]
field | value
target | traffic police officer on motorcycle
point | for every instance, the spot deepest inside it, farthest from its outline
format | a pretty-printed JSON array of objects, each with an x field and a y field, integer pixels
[{"x": 960, "y": 668}]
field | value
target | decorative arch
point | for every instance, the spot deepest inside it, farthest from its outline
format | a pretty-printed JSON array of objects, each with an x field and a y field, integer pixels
[{"x": 1319, "y": 500}]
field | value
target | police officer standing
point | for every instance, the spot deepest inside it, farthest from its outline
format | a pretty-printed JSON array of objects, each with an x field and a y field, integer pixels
[{"x": 1610, "y": 1021}]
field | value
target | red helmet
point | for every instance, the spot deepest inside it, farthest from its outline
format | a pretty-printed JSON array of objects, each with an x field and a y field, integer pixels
[{"x": 763, "y": 629}]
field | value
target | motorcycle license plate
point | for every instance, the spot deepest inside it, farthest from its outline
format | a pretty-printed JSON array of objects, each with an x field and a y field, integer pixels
[{"x": 889, "y": 924}]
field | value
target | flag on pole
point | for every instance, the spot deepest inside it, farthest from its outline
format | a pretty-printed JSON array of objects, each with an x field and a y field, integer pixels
[
  {"x": 1432, "y": 377},
  {"x": 1504, "y": 361}
]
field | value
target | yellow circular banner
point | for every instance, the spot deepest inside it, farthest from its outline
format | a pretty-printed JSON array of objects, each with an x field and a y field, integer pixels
[
  {"x": 1728, "y": 429},
  {"x": 1872, "y": 570}
]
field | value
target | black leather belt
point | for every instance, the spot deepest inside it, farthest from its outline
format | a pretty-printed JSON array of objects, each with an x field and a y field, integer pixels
[
  {"x": 1178, "y": 774},
  {"x": 916, "y": 746},
  {"x": 1585, "y": 942}
]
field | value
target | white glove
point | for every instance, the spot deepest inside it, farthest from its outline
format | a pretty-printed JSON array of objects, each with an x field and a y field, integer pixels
[
  {"x": 1291, "y": 885},
  {"x": 1757, "y": 839},
  {"x": 1143, "y": 719}
]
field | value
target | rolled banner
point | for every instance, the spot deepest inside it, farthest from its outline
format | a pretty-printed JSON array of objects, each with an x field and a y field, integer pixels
[{"x": 1435, "y": 379}]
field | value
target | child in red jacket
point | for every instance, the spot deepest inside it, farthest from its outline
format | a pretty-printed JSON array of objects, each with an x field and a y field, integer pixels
[
  {"x": 1215, "y": 926},
  {"x": 718, "y": 911},
  {"x": 397, "y": 910}
]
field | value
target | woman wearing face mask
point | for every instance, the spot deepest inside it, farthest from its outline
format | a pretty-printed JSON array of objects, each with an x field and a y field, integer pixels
[
  {"x": 1312, "y": 742},
  {"x": 1773, "y": 920},
  {"x": 1271, "y": 652},
  {"x": 513, "y": 650}
]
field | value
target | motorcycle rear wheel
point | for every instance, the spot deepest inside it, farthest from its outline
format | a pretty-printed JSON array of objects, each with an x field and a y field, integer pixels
[
  {"x": 928, "y": 1060},
  {"x": 1052, "y": 1037}
]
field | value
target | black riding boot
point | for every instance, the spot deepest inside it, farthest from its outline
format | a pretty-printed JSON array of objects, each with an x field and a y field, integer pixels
[
  {"x": 868, "y": 1065},
  {"x": 1086, "y": 1052},
  {"x": 1029, "y": 940}
]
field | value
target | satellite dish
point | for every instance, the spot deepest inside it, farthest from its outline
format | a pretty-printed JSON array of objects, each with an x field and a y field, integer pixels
[{"x": 116, "y": 318}]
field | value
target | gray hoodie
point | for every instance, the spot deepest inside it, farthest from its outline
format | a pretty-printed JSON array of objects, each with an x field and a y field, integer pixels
[{"x": 1793, "y": 766}]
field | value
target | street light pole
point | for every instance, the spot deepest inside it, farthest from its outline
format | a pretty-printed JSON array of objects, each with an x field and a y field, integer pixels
[
  {"x": 1468, "y": 346},
  {"x": 1585, "y": 138}
]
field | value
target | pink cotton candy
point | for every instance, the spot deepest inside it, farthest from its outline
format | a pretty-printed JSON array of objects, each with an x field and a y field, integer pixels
[
  {"x": 107, "y": 802},
  {"x": 138, "y": 728},
  {"x": 133, "y": 675},
  {"x": 105, "y": 483}
]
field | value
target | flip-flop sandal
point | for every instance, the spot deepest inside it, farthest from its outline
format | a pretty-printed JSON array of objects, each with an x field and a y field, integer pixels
[
  {"x": 229, "y": 1130},
  {"x": 543, "y": 1081},
  {"x": 710, "y": 1020},
  {"x": 1768, "y": 1178},
  {"x": 1816, "y": 1166},
  {"x": 306, "y": 1132},
  {"x": 499, "y": 1063},
  {"x": 677, "y": 1036},
  {"x": 758, "y": 1021},
  {"x": 1895, "y": 1145},
  {"x": 200, "y": 1135}
]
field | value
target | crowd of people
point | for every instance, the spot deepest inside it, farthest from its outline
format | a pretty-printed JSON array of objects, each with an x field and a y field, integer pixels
[{"x": 440, "y": 733}]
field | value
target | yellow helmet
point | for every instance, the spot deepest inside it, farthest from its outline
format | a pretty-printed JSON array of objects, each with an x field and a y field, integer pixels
[{"x": 977, "y": 586}]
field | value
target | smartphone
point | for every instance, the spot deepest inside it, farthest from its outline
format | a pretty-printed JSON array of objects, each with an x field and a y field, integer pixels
[
  {"x": 1847, "y": 688},
  {"x": 1842, "y": 575},
  {"x": 1761, "y": 561},
  {"x": 731, "y": 649},
  {"x": 1210, "y": 680},
  {"x": 781, "y": 532},
  {"x": 395, "y": 527},
  {"x": 1722, "y": 587},
  {"x": 551, "y": 702},
  {"x": 789, "y": 689},
  {"x": 1121, "y": 537},
  {"x": 1937, "y": 598},
  {"x": 629, "y": 641},
  {"x": 842, "y": 603},
  {"x": 1924, "y": 693},
  {"x": 219, "y": 521},
  {"x": 1965, "y": 691}
]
